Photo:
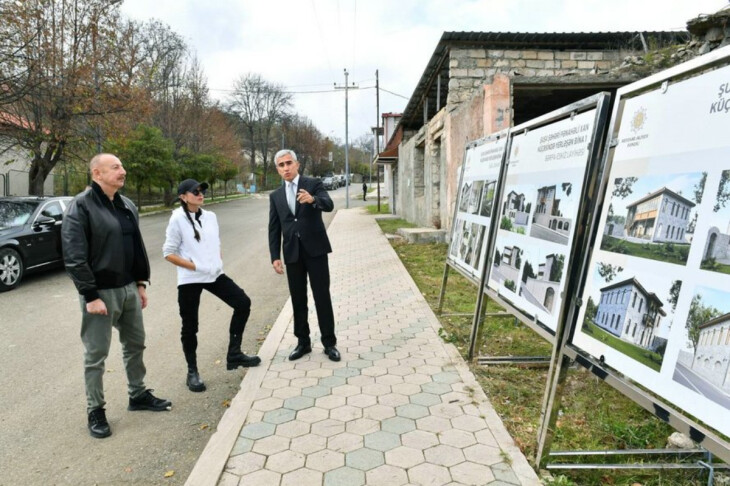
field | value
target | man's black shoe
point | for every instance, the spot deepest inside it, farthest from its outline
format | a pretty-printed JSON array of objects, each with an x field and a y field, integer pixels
[
  {"x": 98, "y": 426},
  {"x": 332, "y": 352},
  {"x": 147, "y": 401},
  {"x": 193, "y": 381},
  {"x": 300, "y": 351},
  {"x": 241, "y": 359}
]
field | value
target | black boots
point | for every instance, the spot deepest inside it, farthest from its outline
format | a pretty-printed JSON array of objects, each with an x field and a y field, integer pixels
[
  {"x": 236, "y": 358},
  {"x": 98, "y": 426},
  {"x": 193, "y": 381}
]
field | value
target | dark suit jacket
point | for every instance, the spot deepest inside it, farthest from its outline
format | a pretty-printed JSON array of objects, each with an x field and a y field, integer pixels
[{"x": 305, "y": 227}]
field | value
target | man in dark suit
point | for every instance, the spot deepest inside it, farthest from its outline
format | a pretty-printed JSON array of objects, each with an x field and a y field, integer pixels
[{"x": 295, "y": 215}]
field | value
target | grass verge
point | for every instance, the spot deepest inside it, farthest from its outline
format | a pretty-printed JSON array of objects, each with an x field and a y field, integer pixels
[{"x": 593, "y": 416}]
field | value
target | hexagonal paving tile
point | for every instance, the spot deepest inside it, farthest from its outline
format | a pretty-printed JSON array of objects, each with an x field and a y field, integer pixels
[
  {"x": 307, "y": 365},
  {"x": 360, "y": 363},
  {"x": 271, "y": 445},
  {"x": 401, "y": 370},
  {"x": 386, "y": 475},
  {"x": 316, "y": 391},
  {"x": 436, "y": 388},
  {"x": 286, "y": 392},
  {"x": 393, "y": 399},
  {"x": 346, "y": 390},
  {"x": 444, "y": 455},
  {"x": 486, "y": 437},
  {"x": 361, "y": 380},
  {"x": 389, "y": 380},
  {"x": 274, "y": 383},
  {"x": 379, "y": 412},
  {"x": 364, "y": 459},
  {"x": 425, "y": 399},
  {"x": 267, "y": 404},
  {"x": 419, "y": 439},
  {"x": 279, "y": 416},
  {"x": 328, "y": 427},
  {"x": 298, "y": 403},
  {"x": 245, "y": 463},
  {"x": 319, "y": 373},
  {"x": 398, "y": 425},
  {"x": 325, "y": 460},
  {"x": 405, "y": 457},
  {"x": 258, "y": 430},
  {"x": 344, "y": 475},
  {"x": 382, "y": 441},
  {"x": 483, "y": 454},
  {"x": 471, "y": 473},
  {"x": 362, "y": 400},
  {"x": 346, "y": 372},
  {"x": 312, "y": 414},
  {"x": 433, "y": 424},
  {"x": 363, "y": 426},
  {"x": 376, "y": 389},
  {"x": 302, "y": 477},
  {"x": 261, "y": 477},
  {"x": 446, "y": 377},
  {"x": 346, "y": 413},
  {"x": 446, "y": 410},
  {"x": 284, "y": 462},
  {"x": 386, "y": 363},
  {"x": 429, "y": 474},
  {"x": 294, "y": 428},
  {"x": 469, "y": 423},
  {"x": 308, "y": 444},
  {"x": 411, "y": 411},
  {"x": 242, "y": 445},
  {"x": 331, "y": 381},
  {"x": 345, "y": 442},
  {"x": 290, "y": 374},
  {"x": 418, "y": 379},
  {"x": 457, "y": 438},
  {"x": 304, "y": 382},
  {"x": 330, "y": 401},
  {"x": 503, "y": 472}
]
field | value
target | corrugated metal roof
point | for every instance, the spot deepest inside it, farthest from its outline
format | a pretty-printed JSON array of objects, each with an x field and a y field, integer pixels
[{"x": 437, "y": 65}]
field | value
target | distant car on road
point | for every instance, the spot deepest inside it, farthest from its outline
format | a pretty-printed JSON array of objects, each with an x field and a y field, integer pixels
[
  {"x": 30, "y": 236},
  {"x": 329, "y": 183}
]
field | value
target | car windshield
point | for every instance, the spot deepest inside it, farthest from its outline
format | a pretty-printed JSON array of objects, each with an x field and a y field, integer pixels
[{"x": 16, "y": 213}]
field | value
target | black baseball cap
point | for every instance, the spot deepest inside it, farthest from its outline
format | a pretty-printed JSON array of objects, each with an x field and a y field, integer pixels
[{"x": 189, "y": 185}]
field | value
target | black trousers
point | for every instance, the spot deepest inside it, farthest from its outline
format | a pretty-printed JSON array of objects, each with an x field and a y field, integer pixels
[
  {"x": 318, "y": 272},
  {"x": 188, "y": 298}
]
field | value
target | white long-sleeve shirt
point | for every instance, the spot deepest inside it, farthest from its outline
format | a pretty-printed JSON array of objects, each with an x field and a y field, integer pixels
[{"x": 206, "y": 253}]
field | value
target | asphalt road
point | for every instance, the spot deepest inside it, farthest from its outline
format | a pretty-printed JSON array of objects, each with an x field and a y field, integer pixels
[{"x": 43, "y": 435}]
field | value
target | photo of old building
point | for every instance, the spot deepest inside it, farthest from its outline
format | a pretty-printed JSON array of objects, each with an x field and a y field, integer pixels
[
  {"x": 549, "y": 221},
  {"x": 543, "y": 288},
  {"x": 630, "y": 312},
  {"x": 659, "y": 217},
  {"x": 506, "y": 267}
]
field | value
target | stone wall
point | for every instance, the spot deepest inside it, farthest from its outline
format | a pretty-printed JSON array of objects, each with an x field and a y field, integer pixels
[{"x": 469, "y": 69}]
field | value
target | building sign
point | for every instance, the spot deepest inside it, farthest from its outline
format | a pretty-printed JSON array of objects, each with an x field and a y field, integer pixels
[
  {"x": 475, "y": 201},
  {"x": 656, "y": 304},
  {"x": 536, "y": 216}
]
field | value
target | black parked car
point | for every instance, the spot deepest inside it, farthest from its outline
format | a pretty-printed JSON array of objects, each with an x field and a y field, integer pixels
[{"x": 30, "y": 236}]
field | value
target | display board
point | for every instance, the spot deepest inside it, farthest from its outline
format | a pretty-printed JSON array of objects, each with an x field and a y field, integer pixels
[
  {"x": 474, "y": 203},
  {"x": 546, "y": 170},
  {"x": 656, "y": 299}
]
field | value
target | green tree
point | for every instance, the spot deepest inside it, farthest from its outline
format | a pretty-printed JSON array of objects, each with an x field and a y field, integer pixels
[
  {"x": 591, "y": 309},
  {"x": 723, "y": 191},
  {"x": 699, "y": 313},
  {"x": 528, "y": 272},
  {"x": 674, "y": 293},
  {"x": 608, "y": 272},
  {"x": 557, "y": 269},
  {"x": 147, "y": 158},
  {"x": 623, "y": 187},
  {"x": 699, "y": 188}
]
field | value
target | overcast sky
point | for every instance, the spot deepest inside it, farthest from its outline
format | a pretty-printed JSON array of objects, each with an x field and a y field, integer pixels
[{"x": 305, "y": 45}]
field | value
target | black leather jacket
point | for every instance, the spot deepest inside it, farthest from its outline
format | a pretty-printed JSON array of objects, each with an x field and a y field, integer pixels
[{"x": 93, "y": 247}]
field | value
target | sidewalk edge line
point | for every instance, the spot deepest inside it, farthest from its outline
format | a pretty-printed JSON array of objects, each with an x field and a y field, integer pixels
[{"x": 212, "y": 461}]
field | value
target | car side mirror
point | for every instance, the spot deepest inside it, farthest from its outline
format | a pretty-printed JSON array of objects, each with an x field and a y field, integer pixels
[{"x": 44, "y": 221}]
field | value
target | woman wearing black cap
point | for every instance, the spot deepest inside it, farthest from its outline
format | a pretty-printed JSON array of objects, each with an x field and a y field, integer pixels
[{"x": 192, "y": 243}]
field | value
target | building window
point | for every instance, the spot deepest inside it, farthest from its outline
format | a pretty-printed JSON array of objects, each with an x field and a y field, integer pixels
[{"x": 633, "y": 304}]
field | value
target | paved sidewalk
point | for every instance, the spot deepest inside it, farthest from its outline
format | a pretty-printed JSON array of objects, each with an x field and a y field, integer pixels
[{"x": 400, "y": 408}]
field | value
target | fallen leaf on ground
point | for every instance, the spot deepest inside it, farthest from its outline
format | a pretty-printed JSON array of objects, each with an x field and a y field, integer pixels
[
  {"x": 204, "y": 426},
  {"x": 226, "y": 403},
  {"x": 169, "y": 474}
]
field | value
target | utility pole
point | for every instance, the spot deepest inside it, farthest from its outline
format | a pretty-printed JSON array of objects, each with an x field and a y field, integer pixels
[
  {"x": 347, "y": 143},
  {"x": 377, "y": 134}
]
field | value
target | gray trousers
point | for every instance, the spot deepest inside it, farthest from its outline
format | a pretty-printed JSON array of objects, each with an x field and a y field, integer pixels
[{"x": 124, "y": 312}]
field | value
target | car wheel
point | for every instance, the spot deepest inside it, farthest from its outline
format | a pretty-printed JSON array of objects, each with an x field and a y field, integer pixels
[{"x": 11, "y": 269}]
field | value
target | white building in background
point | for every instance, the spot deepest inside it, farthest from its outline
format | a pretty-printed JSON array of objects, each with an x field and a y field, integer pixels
[
  {"x": 630, "y": 312},
  {"x": 547, "y": 211},
  {"x": 660, "y": 217},
  {"x": 541, "y": 288},
  {"x": 514, "y": 208},
  {"x": 712, "y": 359}
]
